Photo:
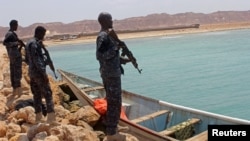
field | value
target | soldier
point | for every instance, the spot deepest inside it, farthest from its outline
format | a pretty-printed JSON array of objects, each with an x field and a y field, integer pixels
[
  {"x": 13, "y": 46},
  {"x": 108, "y": 55},
  {"x": 39, "y": 81}
]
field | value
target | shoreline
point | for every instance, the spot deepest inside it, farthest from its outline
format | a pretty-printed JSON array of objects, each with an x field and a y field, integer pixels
[
  {"x": 145, "y": 34},
  {"x": 134, "y": 35}
]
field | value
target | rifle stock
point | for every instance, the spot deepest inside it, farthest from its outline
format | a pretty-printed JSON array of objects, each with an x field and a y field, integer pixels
[
  {"x": 49, "y": 61},
  {"x": 125, "y": 50}
]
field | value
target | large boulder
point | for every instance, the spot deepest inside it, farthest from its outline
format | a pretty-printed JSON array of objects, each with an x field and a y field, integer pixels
[
  {"x": 87, "y": 114},
  {"x": 74, "y": 133}
]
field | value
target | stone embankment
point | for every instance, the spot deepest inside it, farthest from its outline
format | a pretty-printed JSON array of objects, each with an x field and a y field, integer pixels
[{"x": 17, "y": 123}]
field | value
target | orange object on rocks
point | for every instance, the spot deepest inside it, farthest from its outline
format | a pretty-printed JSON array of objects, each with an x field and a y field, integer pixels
[{"x": 100, "y": 106}]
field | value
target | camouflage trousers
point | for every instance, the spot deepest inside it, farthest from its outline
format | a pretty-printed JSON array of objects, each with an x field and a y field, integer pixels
[
  {"x": 15, "y": 71},
  {"x": 112, "y": 86},
  {"x": 41, "y": 88}
]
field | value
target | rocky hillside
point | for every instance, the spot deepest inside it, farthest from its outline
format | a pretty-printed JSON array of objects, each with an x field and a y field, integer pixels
[{"x": 152, "y": 21}]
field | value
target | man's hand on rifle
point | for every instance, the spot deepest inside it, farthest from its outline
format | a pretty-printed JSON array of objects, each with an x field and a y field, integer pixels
[
  {"x": 121, "y": 44},
  {"x": 125, "y": 50},
  {"x": 124, "y": 60},
  {"x": 21, "y": 43}
]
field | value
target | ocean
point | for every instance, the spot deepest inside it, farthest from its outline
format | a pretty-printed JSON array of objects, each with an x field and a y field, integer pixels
[{"x": 207, "y": 71}]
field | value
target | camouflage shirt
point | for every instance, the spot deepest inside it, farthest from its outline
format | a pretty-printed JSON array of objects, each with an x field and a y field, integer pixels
[
  {"x": 108, "y": 55},
  {"x": 36, "y": 59}
]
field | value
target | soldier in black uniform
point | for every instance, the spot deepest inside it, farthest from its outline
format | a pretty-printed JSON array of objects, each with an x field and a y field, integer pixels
[
  {"x": 13, "y": 46},
  {"x": 39, "y": 81},
  {"x": 108, "y": 55}
]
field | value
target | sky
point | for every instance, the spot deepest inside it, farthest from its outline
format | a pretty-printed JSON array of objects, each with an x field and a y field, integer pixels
[{"x": 28, "y": 12}]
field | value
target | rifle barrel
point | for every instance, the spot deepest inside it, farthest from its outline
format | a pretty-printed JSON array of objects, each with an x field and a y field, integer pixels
[
  {"x": 125, "y": 50},
  {"x": 50, "y": 63}
]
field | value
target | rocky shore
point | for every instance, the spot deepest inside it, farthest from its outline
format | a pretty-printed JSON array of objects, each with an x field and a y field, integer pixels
[
  {"x": 17, "y": 117},
  {"x": 76, "y": 123}
]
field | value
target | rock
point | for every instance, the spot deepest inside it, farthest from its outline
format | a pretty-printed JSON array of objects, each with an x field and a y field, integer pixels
[
  {"x": 3, "y": 106},
  {"x": 4, "y": 139},
  {"x": 87, "y": 114},
  {"x": 6, "y": 91},
  {"x": 84, "y": 125},
  {"x": 61, "y": 112},
  {"x": 74, "y": 133},
  {"x": 12, "y": 130},
  {"x": 3, "y": 129},
  {"x": 35, "y": 129},
  {"x": 12, "y": 117},
  {"x": 40, "y": 136},
  {"x": 6, "y": 78},
  {"x": 25, "y": 127},
  {"x": 51, "y": 138},
  {"x": 27, "y": 114},
  {"x": 19, "y": 137},
  {"x": 29, "y": 102}
]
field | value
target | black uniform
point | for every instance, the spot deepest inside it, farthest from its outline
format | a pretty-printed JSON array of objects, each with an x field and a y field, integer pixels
[
  {"x": 15, "y": 58},
  {"x": 108, "y": 55},
  {"x": 39, "y": 81}
]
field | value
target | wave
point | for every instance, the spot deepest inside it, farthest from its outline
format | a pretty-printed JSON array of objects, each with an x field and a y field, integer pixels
[
  {"x": 217, "y": 33},
  {"x": 170, "y": 37}
]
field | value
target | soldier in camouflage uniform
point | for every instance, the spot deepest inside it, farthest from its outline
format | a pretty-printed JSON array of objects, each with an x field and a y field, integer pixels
[
  {"x": 108, "y": 55},
  {"x": 13, "y": 46},
  {"x": 39, "y": 81}
]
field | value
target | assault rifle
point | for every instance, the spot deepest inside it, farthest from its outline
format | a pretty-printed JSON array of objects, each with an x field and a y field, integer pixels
[
  {"x": 21, "y": 42},
  {"x": 21, "y": 45},
  {"x": 125, "y": 50},
  {"x": 48, "y": 59}
]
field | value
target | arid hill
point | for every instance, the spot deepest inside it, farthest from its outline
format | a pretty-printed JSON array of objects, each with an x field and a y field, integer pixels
[{"x": 134, "y": 24}]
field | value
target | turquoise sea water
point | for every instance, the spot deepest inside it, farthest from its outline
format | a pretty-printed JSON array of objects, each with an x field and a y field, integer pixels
[{"x": 207, "y": 71}]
